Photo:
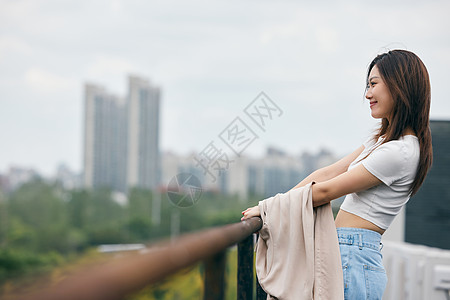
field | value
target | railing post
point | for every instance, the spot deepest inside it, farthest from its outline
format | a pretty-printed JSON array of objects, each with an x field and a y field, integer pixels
[
  {"x": 260, "y": 293},
  {"x": 215, "y": 277},
  {"x": 245, "y": 269}
]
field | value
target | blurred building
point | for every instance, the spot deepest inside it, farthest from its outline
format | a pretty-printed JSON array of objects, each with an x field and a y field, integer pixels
[
  {"x": 15, "y": 177},
  {"x": 104, "y": 139},
  {"x": 275, "y": 172},
  {"x": 173, "y": 164},
  {"x": 121, "y": 137},
  {"x": 67, "y": 178},
  {"x": 143, "y": 155},
  {"x": 427, "y": 219}
]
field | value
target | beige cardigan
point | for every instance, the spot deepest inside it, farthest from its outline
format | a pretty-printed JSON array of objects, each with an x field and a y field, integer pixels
[{"x": 297, "y": 253}]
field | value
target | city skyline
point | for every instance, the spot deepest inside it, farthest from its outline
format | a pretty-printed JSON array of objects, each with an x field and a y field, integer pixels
[{"x": 309, "y": 58}]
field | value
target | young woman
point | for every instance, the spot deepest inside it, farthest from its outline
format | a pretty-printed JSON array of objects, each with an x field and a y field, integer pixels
[{"x": 382, "y": 174}]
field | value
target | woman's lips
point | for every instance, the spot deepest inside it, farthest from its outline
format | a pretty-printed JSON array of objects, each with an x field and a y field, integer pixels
[{"x": 372, "y": 103}]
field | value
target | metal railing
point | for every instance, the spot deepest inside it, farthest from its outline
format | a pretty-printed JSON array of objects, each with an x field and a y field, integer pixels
[{"x": 123, "y": 276}]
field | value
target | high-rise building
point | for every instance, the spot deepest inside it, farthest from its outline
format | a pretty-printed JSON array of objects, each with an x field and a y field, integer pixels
[
  {"x": 121, "y": 137},
  {"x": 427, "y": 218},
  {"x": 143, "y": 168},
  {"x": 104, "y": 139}
]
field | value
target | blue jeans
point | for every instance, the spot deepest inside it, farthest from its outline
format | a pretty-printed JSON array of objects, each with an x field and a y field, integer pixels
[{"x": 364, "y": 274}]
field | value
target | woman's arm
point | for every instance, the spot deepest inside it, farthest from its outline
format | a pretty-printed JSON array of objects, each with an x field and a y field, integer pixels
[
  {"x": 320, "y": 175},
  {"x": 356, "y": 180},
  {"x": 331, "y": 171}
]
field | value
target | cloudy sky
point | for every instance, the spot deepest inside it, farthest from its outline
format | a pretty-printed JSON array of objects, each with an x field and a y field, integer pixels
[{"x": 211, "y": 59}]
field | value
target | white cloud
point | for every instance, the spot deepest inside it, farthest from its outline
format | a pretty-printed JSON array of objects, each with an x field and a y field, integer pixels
[
  {"x": 290, "y": 30},
  {"x": 327, "y": 39},
  {"x": 45, "y": 81},
  {"x": 13, "y": 45},
  {"x": 105, "y": 65},
  {"x": 111, "y": 71},
  {"x": 116, "y": 6}
]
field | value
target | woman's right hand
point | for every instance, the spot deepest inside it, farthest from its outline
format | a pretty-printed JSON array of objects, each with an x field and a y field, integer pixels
[{"x": 251, "y": 212}]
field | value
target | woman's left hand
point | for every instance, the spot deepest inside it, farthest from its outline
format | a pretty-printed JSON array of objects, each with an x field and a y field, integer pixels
[{"x": 251, "y": 212}]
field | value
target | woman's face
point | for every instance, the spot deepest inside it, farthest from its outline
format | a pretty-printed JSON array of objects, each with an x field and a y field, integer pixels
[{"x": 380, "y": 99}]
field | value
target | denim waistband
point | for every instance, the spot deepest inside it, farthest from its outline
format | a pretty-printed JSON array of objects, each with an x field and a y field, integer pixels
[{"x": 359, "y": 237}]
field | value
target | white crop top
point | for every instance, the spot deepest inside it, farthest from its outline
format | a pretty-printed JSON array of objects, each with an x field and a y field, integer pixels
[{"x": 395, "y": 164}]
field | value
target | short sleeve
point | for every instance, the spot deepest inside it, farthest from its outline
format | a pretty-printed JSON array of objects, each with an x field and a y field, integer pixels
[
  {"x": 369, "y": 142},
  {"x": 387, "y": 162}
]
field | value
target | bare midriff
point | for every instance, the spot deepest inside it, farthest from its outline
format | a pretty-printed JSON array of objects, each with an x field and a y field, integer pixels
[{"x": 346, "y": 219}]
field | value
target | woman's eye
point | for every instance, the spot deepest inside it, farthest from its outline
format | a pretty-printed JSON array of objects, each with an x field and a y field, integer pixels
[{"x": 370, "y": 84}]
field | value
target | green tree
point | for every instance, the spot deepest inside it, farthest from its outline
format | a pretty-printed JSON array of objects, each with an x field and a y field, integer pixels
[
  {"x": 38, "y": 219},
  {"x": 140, "y": 203},
  {"x": 78, "y": 208}
]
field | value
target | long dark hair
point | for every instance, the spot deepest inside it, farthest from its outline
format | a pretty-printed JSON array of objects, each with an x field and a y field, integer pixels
[{"x": 409, "y": 84}]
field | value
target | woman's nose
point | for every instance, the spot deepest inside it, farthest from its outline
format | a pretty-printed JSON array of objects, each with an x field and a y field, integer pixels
[{"x": 368, "y": 94}]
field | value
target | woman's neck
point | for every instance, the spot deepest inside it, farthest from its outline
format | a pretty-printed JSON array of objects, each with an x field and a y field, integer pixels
[{"x": 409, "y": 131}]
